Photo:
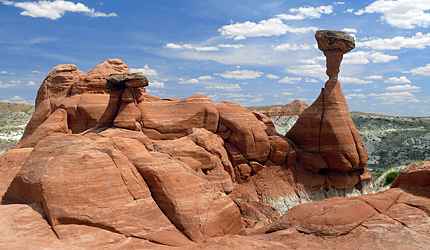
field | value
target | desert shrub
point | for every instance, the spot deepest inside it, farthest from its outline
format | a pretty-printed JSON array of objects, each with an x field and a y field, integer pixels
[{"x": 390, "y": 178}]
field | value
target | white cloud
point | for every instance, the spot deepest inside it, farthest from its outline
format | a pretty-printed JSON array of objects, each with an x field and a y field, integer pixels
[
  {"x": 202, "y": 48},
  {"x": 3, "y": 72},
  {"x": 421, "y": 70},
  {"x": 403, "y": 87},
  {"x": 404, "y": 14},
  {"x": 270, "y": 76},
  {"x": 396, "y": 97},
  {"x": 287, "y": 93},
  {"x": 145, "y": 70},
  {"x": 234, "y": 46},
  {"x": 228, "y": 87},
  {"x": 269, "y": 27},
  {"x": 375, "y": 77},
  {"x": 397, "y": 80},
  {"x": 191, "y": 81},
  {"x": 31, "y": 83},
  {"x": 350, "y": 30},
  {"x": 35, "y": 72},
  {"x": 292, "y": 80},
  {"x": 287, "y": 46},
  {"x": 419, "y": 41},
  {"x": 362, "y": 57},
  {"x": 16, "y": 82},
  {"x": 311, "y": 80},
  {"x": 6, "y": 85},
  {"x": 306, "y": 12},
  {"x": 211, "y": 48},
  {"x": 356, "y": 80},
  {"x": 16, "y": 98},
  {"x": 240, "y": 74},
  {"x": 349, "y": 10},
  {"x": 258, "y": 99},
  {"x": 357, "y": 90},
  {"x": 315, "y": 70},
  {"x": 55, "y": 9},
  {"x": 350, "y": 96},
  {"x": 156, "y": 84},
  {"x": 204, "y": 78}
]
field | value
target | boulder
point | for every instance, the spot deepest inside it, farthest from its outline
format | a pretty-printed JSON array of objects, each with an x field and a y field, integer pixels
[
  {"x": 122, "y": 81},
  {"x": 247, "y": 132},
  {"x": 10, "y": 163},
  {"x": 167, "y": 119},
  {"x": 414, "y": 178},
  {"x": 190, "y": 201},
  {"x": 89, "y": 182}
]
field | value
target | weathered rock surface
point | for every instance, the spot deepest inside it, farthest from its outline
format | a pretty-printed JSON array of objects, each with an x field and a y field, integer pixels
[
  {"x": 122, "y": 81},
  {"x": 247, "y": 132},
  {"x": 10, "y": 163},
  {"x": 146, "y": 172}
]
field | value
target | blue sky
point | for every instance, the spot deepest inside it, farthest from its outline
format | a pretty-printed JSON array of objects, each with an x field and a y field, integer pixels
[{"x": 250, "y": 52}]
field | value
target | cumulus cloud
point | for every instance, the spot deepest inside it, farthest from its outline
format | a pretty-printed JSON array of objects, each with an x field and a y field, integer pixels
[
  {"x": 357, "y": 90},
  {"x": 350, "y": 96},
  {"x": 31, "y": 83},
  {"x": 240, "y": 74},
  {"x": 145, "y": 70},
  {"x": 356, "y": 80},
  {"x": 270, "y": 76},
  {"x": 374, "y": 77},
  {"x": 204, "y": 78},
  {"x": 425, "y": 71},
  {"x": 17, "y": 98},
  {"x": 398, "y": 80},
  {"x": 311, "y": 80},
  {"x": 3, "y": 72},
  {"x": 191, "y": 81},
  {"x": 403, "y": 87},
  {"x": 306, "y": 12},
  {"x": 349, "y": 30},
  {"x": 202, "y": 48},
  {"x": 6, "y": 85},
  {"x": 419, "y": 41},
  {"x": 314, "y": 70},
  {"x": 396, "y": 97},
  {"x": 404, "y": 14},
  {"x": 227, "y": 87},
  {"x": 269, "y": 27},
  {"x": 292, "y": 80},
  {"x": 287, "y": 93},
  {"x": 287, "y": 46},
  {"x": 362, "y": 57},
  {"x": 54, "y": 9},
  {"x": 258, "y": 99},
  {"x": 156, "y": 84}
]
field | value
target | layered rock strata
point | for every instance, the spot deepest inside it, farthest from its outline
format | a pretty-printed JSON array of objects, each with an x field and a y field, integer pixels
[{"x": 115, "y": 160}]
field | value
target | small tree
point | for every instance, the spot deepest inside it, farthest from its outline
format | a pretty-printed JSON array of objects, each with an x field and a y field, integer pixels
[{"x": 390, "y": 178}]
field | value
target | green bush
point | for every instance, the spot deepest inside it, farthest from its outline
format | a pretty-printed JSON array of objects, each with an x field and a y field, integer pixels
[{"x": 390, "y": 178}]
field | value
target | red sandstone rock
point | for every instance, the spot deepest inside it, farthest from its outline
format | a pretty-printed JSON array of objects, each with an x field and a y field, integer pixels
[
  {"x": 296, "y": 107},
  {"x": 94, "y": 82},
  {"x": 185, "y": 147},
  {"x": 326, "y": 128},
  {"x": 82, "y": 181},
  {"x": 10, "y": 163},
  {"x": 56, "y": 123},
  {"x": 166, "y": 119},
  {"x": 58, "y": 82},
  {"x": 187, "y": 199},
  {"x": 417, "y": 174},
  {"x": 247, "y": 132},
  {"x": 266, "y": 120}
]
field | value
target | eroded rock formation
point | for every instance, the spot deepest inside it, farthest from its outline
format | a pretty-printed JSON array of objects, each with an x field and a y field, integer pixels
[
  {"x": 296, "y": 107},
  {"x": 102, "y": 164}
]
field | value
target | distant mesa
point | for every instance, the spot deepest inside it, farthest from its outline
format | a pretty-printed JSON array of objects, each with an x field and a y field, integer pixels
[{"x": 296, "y": 107}]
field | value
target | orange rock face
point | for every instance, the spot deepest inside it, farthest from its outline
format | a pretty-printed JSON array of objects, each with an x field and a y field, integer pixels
[{"x": 327, "y": 129}]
